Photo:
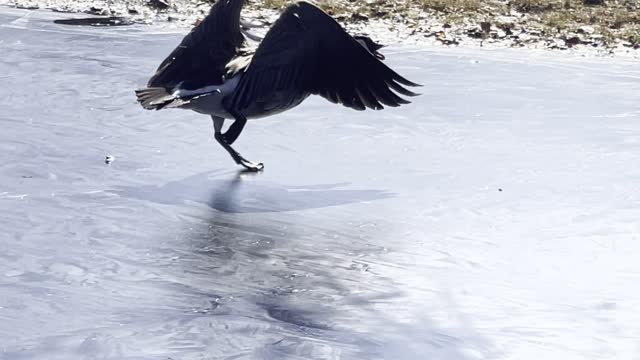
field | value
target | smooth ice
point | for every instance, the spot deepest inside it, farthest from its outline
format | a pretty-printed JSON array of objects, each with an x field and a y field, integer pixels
[{"x": 496, "y": 217}]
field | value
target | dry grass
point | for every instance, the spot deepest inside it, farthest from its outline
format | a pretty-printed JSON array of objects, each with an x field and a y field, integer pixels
[
  {"x": 276, "y": 4},
  {"x": 631, "y": 34},
  {"x": 612, "y": 18},
  {"x": 538, "y": 6},
  {"x": 616, "y": 19},
  {"x": 451, "y": 5}
]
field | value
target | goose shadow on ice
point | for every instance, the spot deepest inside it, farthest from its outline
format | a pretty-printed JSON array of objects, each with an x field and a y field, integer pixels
[{"x": 244, "y": 193}]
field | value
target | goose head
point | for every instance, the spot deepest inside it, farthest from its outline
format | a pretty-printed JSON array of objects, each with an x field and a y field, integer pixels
[{"x": 371, "y": 46}]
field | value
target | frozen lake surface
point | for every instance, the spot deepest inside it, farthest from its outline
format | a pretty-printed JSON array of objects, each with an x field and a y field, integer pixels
[{"x": 496, "y": 217}]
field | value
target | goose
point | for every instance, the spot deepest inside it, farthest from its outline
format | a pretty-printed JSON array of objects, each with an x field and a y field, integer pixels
[{"x": 218, "y": 70}]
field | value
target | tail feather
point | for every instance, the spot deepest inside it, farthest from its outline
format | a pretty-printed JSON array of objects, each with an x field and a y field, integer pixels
[{"x": 156, "y": 98}]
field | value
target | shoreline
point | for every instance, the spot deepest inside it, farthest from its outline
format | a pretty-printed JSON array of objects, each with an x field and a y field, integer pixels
[{"x": 406, "y": 27}]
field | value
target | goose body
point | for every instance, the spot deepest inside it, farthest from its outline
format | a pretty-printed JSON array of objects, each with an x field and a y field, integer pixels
[
  {"x": 209, "y": 100},
  {"x": 217, "y": 71}
]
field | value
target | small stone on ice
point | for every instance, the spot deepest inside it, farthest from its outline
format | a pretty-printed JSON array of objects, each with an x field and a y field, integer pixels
[{"x": 109, "y": 159}]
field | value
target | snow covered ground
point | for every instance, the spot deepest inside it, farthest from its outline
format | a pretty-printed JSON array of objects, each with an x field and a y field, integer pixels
[{"x": 496, "y": 217}]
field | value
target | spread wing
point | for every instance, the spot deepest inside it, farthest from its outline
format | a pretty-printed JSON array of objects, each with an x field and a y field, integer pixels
[
  {"x": 201, "y": 57},
  {"x": 307, "y": 51}
]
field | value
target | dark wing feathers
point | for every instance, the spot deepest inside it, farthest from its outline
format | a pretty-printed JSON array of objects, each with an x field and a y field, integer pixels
[
  {"x": 201, "y": 57},
  {"x": 398, "y": 88},
  {"x": 308, "y": 51}
]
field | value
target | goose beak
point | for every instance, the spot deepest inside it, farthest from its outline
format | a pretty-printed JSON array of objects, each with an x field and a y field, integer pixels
[{"x": 379, "y": 56}]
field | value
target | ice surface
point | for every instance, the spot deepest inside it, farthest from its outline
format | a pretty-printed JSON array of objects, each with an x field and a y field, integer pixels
[{"x": 496, "y": 217}]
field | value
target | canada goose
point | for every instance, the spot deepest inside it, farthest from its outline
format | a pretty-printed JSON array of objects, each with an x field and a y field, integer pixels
[{"x": 217, "y": 72}]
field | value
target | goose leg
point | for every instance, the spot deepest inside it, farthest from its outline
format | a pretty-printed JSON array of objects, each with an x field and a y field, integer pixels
[
  {"x": 234, "y": 130},
  {"x": 221, "y": 139}
]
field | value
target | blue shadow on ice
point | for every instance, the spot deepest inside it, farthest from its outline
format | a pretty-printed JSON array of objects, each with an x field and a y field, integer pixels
[{"x": 240, "y": 195}]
